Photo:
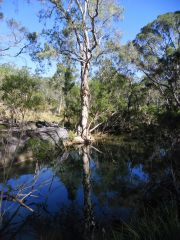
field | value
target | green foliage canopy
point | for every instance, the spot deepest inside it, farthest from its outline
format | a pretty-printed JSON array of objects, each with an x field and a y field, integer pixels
[
  {"x": 20, "y": 91},
  {"x": 158, "y": 56}
]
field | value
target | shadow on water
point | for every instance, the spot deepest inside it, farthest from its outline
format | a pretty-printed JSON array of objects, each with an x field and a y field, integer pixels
[{"x": 85, "y": 193}]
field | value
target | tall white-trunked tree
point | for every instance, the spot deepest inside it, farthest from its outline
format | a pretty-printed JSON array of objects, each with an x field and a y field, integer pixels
[{"x": 81, "y": 31}]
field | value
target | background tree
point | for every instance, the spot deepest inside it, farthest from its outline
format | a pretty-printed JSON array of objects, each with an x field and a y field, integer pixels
[
  {"x": 119, "y": 102},
  {"x": 20, "y": 92},
  {"x": 61, "y": 83},
  {"x": 108, "y": 89},
  {"x": 158, "y": 56},
  {"x": 72, "y": 109}
]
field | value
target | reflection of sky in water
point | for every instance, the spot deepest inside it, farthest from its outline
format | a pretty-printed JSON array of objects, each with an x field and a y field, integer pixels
[
  {"x": 48, "y": 189},
  {"x": 138, "y": 173},
  {"x": 163, "y": 152},
  {"x": 51, "y": 194}
]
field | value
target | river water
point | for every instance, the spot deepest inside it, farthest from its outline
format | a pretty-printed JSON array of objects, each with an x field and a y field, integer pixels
[{"x": 86, "y": 192}]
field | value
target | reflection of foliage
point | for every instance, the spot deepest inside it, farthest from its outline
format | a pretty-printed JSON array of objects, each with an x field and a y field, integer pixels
[
  {"x": 71, "y": 174},
  {"x": 42, "y": 150},
  {"x": 64, "y": 225},
  {"x": 170, "y": 119},
  {"x": 125, "y": 172},
  {"x": 115, "y": 181}
]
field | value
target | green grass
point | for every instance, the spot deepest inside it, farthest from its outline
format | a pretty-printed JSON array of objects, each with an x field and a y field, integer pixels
[
  {"x": 154, "y": 224},
  {"x": 2, "y": 127}
]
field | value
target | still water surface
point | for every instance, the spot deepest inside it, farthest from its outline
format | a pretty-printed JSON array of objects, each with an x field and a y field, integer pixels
[{"x": 83, "y": 193}]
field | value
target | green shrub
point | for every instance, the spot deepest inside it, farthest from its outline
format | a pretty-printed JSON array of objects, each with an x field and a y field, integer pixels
[{"x": 71, "y": 135}]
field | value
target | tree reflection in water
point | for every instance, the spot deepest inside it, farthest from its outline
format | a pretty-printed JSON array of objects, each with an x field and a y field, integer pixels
[
  {"x": 88, "y": 212},
  {"x": 90, "y": 191}
]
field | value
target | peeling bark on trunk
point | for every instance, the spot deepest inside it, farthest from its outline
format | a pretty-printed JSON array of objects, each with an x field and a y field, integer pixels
[{"x": 82, "y": 129}]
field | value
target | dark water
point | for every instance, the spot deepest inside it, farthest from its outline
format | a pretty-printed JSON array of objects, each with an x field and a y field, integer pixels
[{"x": 84, "y": 193}]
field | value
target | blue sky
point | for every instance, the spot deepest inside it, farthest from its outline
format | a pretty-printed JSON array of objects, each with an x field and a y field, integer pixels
[{"x": 136, "y": 15}]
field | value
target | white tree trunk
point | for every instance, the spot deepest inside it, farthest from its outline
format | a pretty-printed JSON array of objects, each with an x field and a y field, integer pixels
[
  {"x": 82, "y": 129},
  {"x": 60, "y": 105}
]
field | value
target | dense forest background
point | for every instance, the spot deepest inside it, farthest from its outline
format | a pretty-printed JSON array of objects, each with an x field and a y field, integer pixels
[{"x": 135, "y": 85}]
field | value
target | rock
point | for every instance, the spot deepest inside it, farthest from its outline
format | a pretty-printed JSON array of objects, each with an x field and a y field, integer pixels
[
  {"x": 41, "y": 124},
  {"x": 54, "y": 124},
  {"x": 10, "y": 150},
  {"x": 11, "y": 143},
  {"x": 30, "y": 125},
  {"x": 53, "y": 134}
]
